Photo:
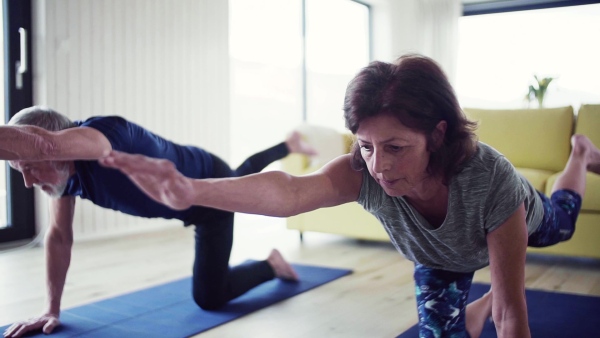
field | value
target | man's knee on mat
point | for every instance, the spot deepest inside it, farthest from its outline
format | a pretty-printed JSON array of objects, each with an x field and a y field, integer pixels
[{"x": 208, "y": 300}]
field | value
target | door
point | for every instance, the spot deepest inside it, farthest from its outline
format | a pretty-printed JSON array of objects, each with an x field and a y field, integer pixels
[{"x": 17, "y": 221}]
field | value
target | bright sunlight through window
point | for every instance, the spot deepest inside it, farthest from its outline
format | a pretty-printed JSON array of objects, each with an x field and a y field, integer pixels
[{"x": 499, "y": 54}]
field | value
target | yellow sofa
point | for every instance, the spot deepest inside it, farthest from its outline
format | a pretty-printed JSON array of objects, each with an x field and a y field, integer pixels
[{"x": 536, "y": 141}]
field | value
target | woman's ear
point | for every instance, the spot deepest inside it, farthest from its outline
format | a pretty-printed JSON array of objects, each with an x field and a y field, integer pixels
[{"x": 439, "y": 133}]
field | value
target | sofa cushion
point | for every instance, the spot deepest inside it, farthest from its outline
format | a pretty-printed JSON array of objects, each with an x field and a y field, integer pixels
[
  {"x": 588, "y": 122},
  {"x": 529, "y": 138},
  {"x": 537, "y": 177}
]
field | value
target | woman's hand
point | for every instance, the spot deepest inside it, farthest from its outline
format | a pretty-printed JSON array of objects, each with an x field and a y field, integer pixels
[{"x": 158, "y": 178}]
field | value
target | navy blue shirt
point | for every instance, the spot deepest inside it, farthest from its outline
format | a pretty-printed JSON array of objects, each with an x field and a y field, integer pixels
[{"x": 109, "y": 188}]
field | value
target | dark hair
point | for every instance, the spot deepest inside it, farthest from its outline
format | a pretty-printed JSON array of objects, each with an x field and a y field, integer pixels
[
  {"x": 416, "y": 91},
  {"x": 42, "y": 117}
]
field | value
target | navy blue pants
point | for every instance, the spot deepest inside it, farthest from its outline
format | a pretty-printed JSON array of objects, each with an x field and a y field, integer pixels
[{"x": 214, "y": 282}]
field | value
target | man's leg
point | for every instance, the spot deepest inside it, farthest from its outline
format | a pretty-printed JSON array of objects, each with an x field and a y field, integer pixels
[
  {"x": 214, "y": 282},
  {"x": 257, "y": 162}
]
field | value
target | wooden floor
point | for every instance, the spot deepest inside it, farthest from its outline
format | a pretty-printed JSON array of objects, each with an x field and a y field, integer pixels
[{"x": 377, "y": 300}]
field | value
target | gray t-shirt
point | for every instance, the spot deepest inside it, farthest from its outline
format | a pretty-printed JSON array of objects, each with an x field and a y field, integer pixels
[{"x": 481, "y": 198}]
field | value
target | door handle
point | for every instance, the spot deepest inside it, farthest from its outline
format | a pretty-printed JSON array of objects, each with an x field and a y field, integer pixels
[{"x": 21, "y": 64}]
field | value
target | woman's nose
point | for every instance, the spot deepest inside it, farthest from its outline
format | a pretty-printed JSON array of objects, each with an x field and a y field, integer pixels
[{"x": 381, "y": 162}]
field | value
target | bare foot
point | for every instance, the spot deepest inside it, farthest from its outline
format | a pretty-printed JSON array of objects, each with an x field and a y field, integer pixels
[
  {"x": 283, "y": 270},
  {"x": 477, "y": 313},
  {"x": 296, "y": 144},
  {"x": 583, "y": 145}
]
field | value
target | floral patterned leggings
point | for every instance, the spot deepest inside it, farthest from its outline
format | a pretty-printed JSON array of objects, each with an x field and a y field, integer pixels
[{"x": 442, "y": 295}]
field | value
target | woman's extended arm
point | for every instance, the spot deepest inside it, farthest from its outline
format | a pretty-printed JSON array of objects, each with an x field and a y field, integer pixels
[
  {"x": 272, "y": 193},
  {"x": 31, "y": 143}
]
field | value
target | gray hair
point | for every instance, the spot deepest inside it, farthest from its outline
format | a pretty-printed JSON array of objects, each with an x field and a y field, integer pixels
[{"x": 42, "y": 117}]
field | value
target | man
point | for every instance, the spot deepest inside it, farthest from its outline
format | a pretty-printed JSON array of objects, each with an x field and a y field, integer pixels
[{"x": 60, "y": 157}]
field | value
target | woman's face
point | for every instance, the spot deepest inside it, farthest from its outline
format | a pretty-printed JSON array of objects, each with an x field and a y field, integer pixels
[{"x": 396, "y": 156}]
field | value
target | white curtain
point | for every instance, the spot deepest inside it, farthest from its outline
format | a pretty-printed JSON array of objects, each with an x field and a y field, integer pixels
[{"x": 437, "y": 28}]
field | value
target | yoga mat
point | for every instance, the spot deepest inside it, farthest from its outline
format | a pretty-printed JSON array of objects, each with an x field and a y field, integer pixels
[
  {"x": 168, "y": 310},
  {"x": 551, "y": 315}
]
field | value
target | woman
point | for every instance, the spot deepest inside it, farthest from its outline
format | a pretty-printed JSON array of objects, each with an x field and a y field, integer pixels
[{"x": 450, "y": 204}]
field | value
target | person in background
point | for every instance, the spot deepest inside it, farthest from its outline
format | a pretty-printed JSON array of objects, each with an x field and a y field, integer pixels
[
  {"x": 449, "y": 203},
  {"x": 60, "y": 157}
]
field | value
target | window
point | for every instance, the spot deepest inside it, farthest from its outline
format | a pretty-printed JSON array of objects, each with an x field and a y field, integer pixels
[
  {"x": 290, "y": 62},
  {"x": 266, "y": 72},
  {"x": 500, "y": 53},
  {"x": 337, "y": 47}
]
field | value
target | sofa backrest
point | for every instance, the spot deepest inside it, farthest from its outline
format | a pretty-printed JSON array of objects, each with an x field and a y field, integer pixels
[
  {"x": 529, "y": 138},
  {"x": 588, "y": 122}
]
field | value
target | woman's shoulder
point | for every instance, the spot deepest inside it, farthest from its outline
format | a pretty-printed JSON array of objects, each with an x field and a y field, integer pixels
[
  {"x": 484, "y": 164},
  {"x": 485, "y": 152}
]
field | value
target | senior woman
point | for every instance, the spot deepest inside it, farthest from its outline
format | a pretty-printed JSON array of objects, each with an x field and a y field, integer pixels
[{"x": 449, "y": 203}]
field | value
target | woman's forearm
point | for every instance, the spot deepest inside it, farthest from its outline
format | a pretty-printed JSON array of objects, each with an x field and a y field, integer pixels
[
  {"x": 271, "y": 193},
  {"x": 22, "y": 143}
]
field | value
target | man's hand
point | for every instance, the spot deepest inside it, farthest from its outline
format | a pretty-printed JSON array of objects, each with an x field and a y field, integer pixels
[
  {"x": 45, "y": 322},
  {"x": 158, "y": 178}
]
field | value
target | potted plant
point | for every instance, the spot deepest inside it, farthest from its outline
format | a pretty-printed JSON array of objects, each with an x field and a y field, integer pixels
[{"x": 539, "y": 92}]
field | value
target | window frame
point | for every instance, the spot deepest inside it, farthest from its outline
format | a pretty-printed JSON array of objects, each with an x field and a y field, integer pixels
[
  {"x": 501, "y": 6},
  {"x": 303, "y": 48},
  {"x": 20, "y": 200}
]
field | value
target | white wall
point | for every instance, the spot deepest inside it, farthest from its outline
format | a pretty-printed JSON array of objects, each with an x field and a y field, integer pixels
[{"x": 163, "y": 64}]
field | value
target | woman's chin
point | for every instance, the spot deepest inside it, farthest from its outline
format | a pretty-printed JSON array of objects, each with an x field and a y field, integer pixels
[{"x": 393, "y": 192}]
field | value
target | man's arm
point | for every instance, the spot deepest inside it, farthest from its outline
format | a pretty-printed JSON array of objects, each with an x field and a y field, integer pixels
[
  {"x": 32, "y": 143},
  {"x": 59, "y": 240},
  {"x": 271, "y": 193},
  {"x": 507, "y": 247}
]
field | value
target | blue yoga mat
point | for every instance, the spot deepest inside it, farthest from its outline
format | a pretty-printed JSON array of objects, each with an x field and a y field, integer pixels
[
  {"x": 168, "y": 310},
  {"x": 551, "y": 314}
]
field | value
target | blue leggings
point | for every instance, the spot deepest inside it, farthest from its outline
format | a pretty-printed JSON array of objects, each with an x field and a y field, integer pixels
[
  {"x": 214, "y": 282},
  {"x": 442, "y": 295},
  {"x": 441, "y": 302},
  {"x": 560, "y": 216}
]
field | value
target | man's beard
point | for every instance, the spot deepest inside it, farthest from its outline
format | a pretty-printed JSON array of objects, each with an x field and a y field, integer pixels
[{"x": 56, "y": 190}]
